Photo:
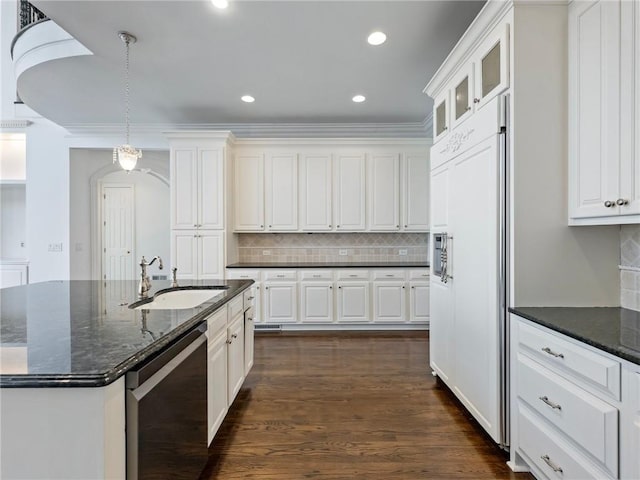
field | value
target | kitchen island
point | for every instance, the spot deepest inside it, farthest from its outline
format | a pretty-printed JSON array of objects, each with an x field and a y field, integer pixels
[{"x": 65, "y": 347}]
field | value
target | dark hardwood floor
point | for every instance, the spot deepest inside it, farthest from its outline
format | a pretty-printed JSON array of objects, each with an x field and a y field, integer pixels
[{"x": 349, "y": 406}]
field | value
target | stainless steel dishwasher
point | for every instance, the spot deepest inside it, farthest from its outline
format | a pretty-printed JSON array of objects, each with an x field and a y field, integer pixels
[{"x": 166, "y": 401}]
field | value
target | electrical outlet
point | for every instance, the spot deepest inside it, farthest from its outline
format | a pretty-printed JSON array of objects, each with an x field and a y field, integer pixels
[
  {"x": 343, "y": 252},
  {"x": 402, "y": 252},
  {"x": 55, "y": 247},
  {"x": 266, "y": 252}
]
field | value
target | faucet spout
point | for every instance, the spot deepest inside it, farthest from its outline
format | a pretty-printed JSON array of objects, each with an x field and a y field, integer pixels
[
  {"x": 145, "y": 283},
  {"x": 157, "y": 257}
]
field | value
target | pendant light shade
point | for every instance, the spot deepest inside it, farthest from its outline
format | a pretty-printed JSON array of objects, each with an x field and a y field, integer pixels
[{"x": 126, "y": 155}]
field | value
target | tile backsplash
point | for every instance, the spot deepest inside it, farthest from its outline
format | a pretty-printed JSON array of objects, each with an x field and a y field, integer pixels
[
  {"x": 327, "y": 247},
  {"x": 630, "y": 266}
]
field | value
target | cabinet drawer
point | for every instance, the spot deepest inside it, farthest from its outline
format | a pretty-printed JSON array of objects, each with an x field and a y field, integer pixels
[
  {"x": 236, "y": 307},
  {"x": 217, "y": 322},
  {"x": 280, "y": 275},
  {"x": 233, "y": 274},
  {"x": 552, "y": 455},
  {"x": 418, "y": 274},
  {"x": 353, "y": 274},
  {"x": 249, "y": 298},
  {"x": 388, "y": 275},
  {"x": 590, "y": 422},
  {"x": 585, "y": 366},
  {"x": 326, "y": 274}
]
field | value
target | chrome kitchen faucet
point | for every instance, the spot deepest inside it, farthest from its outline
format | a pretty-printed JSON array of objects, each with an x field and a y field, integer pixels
[{"x": 145, "y": 284}]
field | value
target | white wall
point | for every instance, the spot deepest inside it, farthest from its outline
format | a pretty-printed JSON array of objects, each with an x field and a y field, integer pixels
[
  {"x": 151, "y": 206},
  {"x": 13, "y": 156},
  {"x": 12, "y": 222}
]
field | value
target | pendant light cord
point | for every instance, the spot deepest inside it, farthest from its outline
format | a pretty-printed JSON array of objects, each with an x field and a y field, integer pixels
[{"x": 126, "y": 88}]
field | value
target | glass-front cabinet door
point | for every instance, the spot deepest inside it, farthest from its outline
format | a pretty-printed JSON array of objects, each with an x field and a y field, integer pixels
[
  {"x": 492, "y": 67},
  {"x": 440, "y": 117},
  {"x": 462, "y": 95}
]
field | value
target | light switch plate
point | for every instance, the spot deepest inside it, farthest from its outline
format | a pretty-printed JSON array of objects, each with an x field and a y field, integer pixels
[
  {"x": 343, "y": 252},
  {"x": 266, "y": 252},
  {"x": 402, "y": 252}
]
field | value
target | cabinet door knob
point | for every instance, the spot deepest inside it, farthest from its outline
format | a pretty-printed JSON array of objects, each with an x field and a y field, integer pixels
[
  {"x": 467, "y": 109},
  {"x": 329, "y": 226},
  {"x": 235, "y": 335},
  {"x": 337, "y": 226},
  {"x": 609, "y": 204},
  {"x": 261, "y": 226},
  {"x": 339, "y": 287},
  {"x": 269, "y": 226},
  {"x": 476, "y": 100},
  {"x": 622, "y": 201},
  {"x": 195, "y": 224}
]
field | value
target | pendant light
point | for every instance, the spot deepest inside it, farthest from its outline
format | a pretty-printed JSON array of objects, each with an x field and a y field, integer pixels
[{"x": 126, "y": 155}]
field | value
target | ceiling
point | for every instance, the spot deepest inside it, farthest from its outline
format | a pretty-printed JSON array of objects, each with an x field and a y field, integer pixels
[{"x": 302, "y": 60}]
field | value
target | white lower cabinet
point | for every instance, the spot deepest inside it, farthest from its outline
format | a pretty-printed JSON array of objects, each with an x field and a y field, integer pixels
[
  {"x": 280, "y": 302},
  {"x": 229, "y": 358},
  {"x": 566, "y": 424},
  {"x": 353, "y": 302},
  {"x": 419, "y": 301},
  {"x": 389, "y": 301},
  {"x": 235, "y": 356},
  {"x": 316, "y": 302},
  {"x": 217, "y": 405}
]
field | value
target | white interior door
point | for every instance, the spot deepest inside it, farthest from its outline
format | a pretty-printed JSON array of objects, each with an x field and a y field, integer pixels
[{"x": 118, "y": 238}]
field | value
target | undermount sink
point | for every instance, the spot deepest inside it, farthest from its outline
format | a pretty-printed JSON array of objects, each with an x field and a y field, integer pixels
[{"x": 178, "y": 299}]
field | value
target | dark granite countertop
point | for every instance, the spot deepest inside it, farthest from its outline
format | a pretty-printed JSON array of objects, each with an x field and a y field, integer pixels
[
  {"x": 331, "y": 265},
  {"x": 614, "y": 330},
  {"x": 82, "y": 333}
]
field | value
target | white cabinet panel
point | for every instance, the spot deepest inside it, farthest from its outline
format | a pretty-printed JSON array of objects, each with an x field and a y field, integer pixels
[
  {"x": 197, "y": 188},
  {"x": 594, "y": 121},
  {"x": 416, "y": 192},
  {"x": 184, "y": 193},
  {"x": 389, "y": 302},
  {"x": 441, "y": 329},
  {"x": 492, "y": 67},
  {"x": 281, "y": 192},
  {"x": 197, "y": 254},
  {"x": 249, "y": 327},
  {"x": 419, "y": 302},
  {"x": 235, "y": 358},
  {"x": 249, "y": 192},
  {"x": 184, "y": 253},
  {"x": 216, "y": 382},
  {"x": 440, "y": 180},
  {"x": 315, "y": 192},
  {"x": 280, "y": 302},
  {"x": 210, "y": 187},
  {"x": 316, "y": 302},
  {"x": 384, "y": 192},
  {"x": 13, "y": 275},
  {"x": 353, "y": 302},
  {"x": 350, "y": 192}
]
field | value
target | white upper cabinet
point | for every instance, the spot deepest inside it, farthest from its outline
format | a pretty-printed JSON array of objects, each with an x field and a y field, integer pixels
[
  {"x": 491, "y": 67},
  {"x": 197, "y": 188},
  {"x": 415, "y": 192},
  {"x": 281, "y": 192},
  {"x": 197, "y": 254},
  {"x": 441, "y": 116},
  {"x": 315, "y": 192},
  {"x": 249, "y": 192},
  {"x": 462, "y": 96},
  {"x": 384, "y": 192},
  {"x": 350, "y": 192},
  {"x": 604, "y": 112}
]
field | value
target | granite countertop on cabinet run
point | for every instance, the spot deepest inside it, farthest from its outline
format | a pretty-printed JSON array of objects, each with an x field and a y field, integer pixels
[
  {"x": 330, "y": 265},
  {"x": 82, "y": 334},
  {"x": 612, "y": 329}
]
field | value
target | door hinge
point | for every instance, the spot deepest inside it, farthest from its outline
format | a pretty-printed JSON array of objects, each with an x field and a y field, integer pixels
[
  {"x": 105, "y": 276},
  {"x": 104, "y": 223},
  {"x": 104, "y": 196}
]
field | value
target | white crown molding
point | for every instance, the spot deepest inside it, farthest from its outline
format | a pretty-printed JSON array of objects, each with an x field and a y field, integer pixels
[
  {"x": 332, "y": 141},
  {"x": 427, "y": 124},
  {"x": 490, "y": 15},
  {"x": 263, "y": 130}
]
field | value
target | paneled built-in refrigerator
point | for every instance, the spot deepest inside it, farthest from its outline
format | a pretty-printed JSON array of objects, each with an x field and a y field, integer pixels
[{"x": 468, "y": 329}]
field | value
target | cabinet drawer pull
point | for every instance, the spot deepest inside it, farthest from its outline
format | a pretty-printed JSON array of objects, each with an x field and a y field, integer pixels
[
  {"x": 353, "y": 275},
  {"x": 317, "y": 276},
  {"x": 389, "y": 275},
  {"x": 250, "y": 298},
  {"x": 552, "y": 353},
  {"x": 552, "y": 465},
  {"x": 250, "y": 319},
  {"x": 280, "y": 276},
  {"x": 553, "y": 405}
]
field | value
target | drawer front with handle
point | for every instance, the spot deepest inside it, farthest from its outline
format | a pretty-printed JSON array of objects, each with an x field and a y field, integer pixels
[
  {"x": 233, "y": 274},
  {"x": 554, "y": 457},
  {"x": 419, "y": 274},
  {"x": 353, "y": 274},
  {"x": 249, "y": 298},
  {"x": 236, "y": 307},
  {"x": 589, "y": 421},
  {"x": 280, "y": 275},
  {"x": 217, "y": 322},
  {"x": 326, "y": 274},
  {"x": 388, "y": 275},
  {"x": 587, "y": 367}
]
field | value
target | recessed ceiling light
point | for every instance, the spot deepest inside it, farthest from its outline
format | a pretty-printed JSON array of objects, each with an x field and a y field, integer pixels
[
  {"x": 247, "y": 99},
  {"x": 377, "y": 38},
  {"x": 359, "y": 98},
  {"x": 220, "y": 3}
]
